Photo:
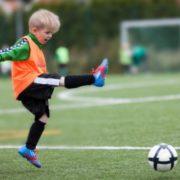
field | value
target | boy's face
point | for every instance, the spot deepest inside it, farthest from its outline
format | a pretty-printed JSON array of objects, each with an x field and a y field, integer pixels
[{"x": 43, "y": 35}]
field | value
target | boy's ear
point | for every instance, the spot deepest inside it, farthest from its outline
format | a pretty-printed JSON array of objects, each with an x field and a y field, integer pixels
[{"x": 33, "y": 29}]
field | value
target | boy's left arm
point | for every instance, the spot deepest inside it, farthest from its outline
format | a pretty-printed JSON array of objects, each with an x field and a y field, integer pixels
[{"x": 20, "y": 51}]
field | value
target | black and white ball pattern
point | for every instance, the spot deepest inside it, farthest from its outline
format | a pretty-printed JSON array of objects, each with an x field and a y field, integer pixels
[{"x": 162, "y": 157}]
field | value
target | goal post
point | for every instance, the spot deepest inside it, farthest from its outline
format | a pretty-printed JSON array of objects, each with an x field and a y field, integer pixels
[
  {"x": 126, "y": 25},
  {"x": 150, "y": 33}
]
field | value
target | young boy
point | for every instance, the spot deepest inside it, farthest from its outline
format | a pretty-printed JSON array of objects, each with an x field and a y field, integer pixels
[{"x": 32, "y": 85}]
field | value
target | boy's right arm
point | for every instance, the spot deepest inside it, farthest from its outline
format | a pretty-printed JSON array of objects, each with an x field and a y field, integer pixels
[{"x": 20, "y": 51}]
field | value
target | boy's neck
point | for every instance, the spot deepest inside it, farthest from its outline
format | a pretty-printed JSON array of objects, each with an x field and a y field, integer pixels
[{"x": 33, "y": 37}]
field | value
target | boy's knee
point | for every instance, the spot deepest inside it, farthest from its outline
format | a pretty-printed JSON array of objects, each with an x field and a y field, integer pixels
[{"x": 44, "y": 118}]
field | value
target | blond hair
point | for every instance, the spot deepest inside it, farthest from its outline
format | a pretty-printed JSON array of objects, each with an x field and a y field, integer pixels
[{"x": 44, "y": 19}]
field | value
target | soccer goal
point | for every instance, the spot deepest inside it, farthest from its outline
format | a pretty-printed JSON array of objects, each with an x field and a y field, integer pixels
[{"x": 161, "y": 37}]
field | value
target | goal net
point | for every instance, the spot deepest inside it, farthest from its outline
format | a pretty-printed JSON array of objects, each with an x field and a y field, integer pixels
[{"x": 161, "y": 38}]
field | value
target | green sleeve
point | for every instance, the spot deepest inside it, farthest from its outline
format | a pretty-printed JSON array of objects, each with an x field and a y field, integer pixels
[{"x": 20, "y": 51}]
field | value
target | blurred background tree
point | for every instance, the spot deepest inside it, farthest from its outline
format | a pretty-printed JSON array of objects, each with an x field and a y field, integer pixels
[{"x": 90, "y": 28}]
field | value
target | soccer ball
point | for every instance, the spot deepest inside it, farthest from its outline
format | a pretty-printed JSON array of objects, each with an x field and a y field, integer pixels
[{"x": 162, "y": 157}]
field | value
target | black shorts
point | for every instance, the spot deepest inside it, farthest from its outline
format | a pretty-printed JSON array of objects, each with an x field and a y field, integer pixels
[{"x": 35, "y": 97}]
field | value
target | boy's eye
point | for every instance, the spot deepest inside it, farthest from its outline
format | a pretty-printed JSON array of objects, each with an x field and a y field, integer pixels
[{"x": 48, "y": 32}]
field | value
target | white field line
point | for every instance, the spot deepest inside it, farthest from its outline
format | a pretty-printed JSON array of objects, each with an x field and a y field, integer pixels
[
  {"x": 80, "y": 147},
  {"x": 108, "y": 148},
  {"x": 76, "y": 96}
]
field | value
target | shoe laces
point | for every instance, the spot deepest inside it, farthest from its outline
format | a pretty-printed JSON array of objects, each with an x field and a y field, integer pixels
[{"x": 99, "y": 68}]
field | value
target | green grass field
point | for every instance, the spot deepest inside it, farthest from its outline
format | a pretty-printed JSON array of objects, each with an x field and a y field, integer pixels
[{"x": 137, "y": 111}]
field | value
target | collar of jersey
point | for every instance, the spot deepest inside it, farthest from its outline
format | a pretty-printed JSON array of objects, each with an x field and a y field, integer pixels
[{"x": 33, "y": 37}]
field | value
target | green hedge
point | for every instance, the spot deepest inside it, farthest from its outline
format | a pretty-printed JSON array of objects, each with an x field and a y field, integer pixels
[{"x": 92, "y": 29}]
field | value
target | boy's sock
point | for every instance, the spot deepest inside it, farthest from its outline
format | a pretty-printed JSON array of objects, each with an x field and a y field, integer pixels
[
  {"x": 78, "y": 80},
  {"x": 35, "y": 133}
]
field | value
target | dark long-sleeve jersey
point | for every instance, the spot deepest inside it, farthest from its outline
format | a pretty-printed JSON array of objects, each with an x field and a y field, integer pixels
[{"x": 20, "y": 51}]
